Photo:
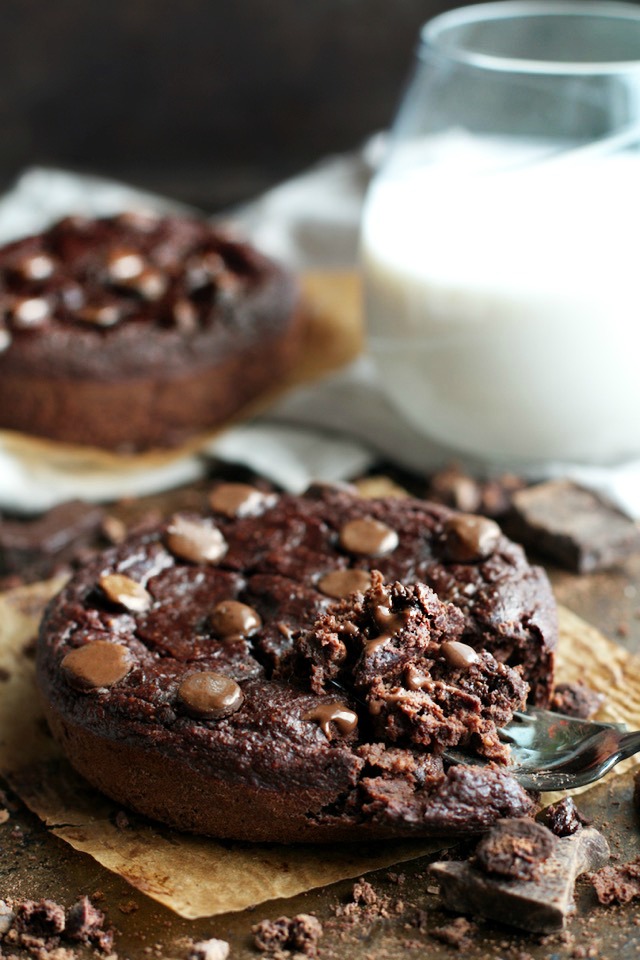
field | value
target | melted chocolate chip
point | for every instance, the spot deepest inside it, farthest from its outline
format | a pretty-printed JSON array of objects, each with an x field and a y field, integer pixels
[
  {"x": 390, "y": 623},
  {"x": 469, "y": 538},
  {"x": 458, "y": 655},
  {"x": 106, "y": 315},
  {"x": 208, "y": 695},
  {"x": 324, "y": 714},
  {"x": 240, "y": 500},
  {"x": 125, "y": 592},
  {"x": 342, "y": 583},
  {"x": 368, "y": 537},
  {"x": 230, "y": 618},
  {"x": 195, "y": 540},
  {"x": 97, "y": 664}
]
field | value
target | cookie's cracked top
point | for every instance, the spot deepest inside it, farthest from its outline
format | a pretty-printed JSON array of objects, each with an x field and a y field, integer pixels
[{"x": 227, "y": 658}]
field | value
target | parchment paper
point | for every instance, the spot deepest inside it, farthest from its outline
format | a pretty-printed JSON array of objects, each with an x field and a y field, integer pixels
[{"x": 199, "y": 877}]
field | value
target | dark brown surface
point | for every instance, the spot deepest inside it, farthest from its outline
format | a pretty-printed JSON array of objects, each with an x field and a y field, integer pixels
[{"x": 35, "y": 864}]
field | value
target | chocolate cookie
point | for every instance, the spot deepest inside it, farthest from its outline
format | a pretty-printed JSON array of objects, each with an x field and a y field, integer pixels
[
  {"x": 137, "y": 331},
  {"x": 256, "y": 696}
]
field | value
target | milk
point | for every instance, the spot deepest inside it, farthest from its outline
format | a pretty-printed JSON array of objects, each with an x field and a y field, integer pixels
[{"x": 504, "y": 308}]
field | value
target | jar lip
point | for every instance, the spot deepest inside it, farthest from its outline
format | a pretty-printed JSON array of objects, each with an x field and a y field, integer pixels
[{"x": 432, "y": 32}]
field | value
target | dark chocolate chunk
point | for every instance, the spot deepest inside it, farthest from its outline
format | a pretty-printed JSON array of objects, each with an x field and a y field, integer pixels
[
  {"x": 125, "y": 592},
  {"x": 195, "y": 540},
  {"x": 368, "y": 537},
  {"x": 515, "y": 848},
  {"x": 230, "y": 618},
  {"x": 341, "y": 583},
  {"x": 97, "y": 664},
  {"x": 573, "y": 526},
  {"x": 541, "y": 905},
  {"x": 207, "y": 695},
  {"x": 468, "y": 538}
]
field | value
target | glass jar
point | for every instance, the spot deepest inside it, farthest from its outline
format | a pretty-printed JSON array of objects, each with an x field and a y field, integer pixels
[{"x": 500, "y": 238}]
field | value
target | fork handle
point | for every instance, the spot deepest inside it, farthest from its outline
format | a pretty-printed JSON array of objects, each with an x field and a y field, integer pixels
[{"x": 629, "y": 744}]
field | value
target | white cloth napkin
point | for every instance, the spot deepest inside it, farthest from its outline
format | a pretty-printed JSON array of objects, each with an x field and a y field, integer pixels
[{"x": 332, "y": 430}]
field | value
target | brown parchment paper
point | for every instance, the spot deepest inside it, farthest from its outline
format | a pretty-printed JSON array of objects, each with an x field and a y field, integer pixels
[{"x": 195, "y": 876}]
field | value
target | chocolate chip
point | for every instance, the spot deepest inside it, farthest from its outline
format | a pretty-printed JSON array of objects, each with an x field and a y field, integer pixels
[
  {"x": 208, "y": 695},
  {"x": 368, "y": 537},
  {"x": 341, "y": 583},
  {"x": 125, "y": 592},
  {"x": 38, "y": 266},
  {"x": 458, "y": 655},
  {"x": 185, "y": 316},
  {"x": 195, "y": 540},
  {"x": 150, "y": 284},
  {"x": 97, "y": 664},
  {"x": 324, "y": 714},
  {"x": 240, "y": 500},
  {"x": 5, "y": 339},
  {"x": 230, "y": 618},
  {"x": 113, "y": 529},
  {"x": 469, "y": 538},
  {"x": 29, "y": 312},
  {"x": 124, "y": 265},
  {"x": 106, "y": 315}
]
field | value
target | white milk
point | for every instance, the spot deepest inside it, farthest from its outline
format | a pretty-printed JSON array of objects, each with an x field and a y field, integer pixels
[{"x": 504, "y": 309}]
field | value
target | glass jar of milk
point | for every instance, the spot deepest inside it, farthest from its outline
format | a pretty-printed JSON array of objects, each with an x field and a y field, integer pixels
[{"x": 501, "y": 236}]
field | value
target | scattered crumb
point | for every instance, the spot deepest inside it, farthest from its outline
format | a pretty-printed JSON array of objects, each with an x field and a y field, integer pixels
[
  {"x": 459, "y": 933},
  {"x": 619, "y": 884},
  {"x": 284, "y": 936},
  {"x": 212, "y": 949},
  {"x": 128, "y": 906}
]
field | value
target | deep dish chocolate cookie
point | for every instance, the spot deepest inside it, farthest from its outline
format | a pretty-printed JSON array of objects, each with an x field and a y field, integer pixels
[
  {"x": 136, "y": 331},
  {"x": 293, "y": 668}
]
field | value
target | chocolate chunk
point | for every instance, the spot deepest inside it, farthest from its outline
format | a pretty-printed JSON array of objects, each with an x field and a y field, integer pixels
[
  {"x": 458, "y": 655},
  {"x": 212, "y": 949},
  {"x": 125, "y": 592},
  {"x": 29, "y": 312},
  {"x": 619, "y": 884},
  {"x": 207, "y": 695},
  {"x": 573, "y": 526},
  {"x": 368, "y": 537},
  {"x": 233, "y": 619},
  {"x": 240, "y": 500},
  {"x": 296, "y": 934},
  {"x": 468, "y": 538},
  {"x": 97, "y": 664},
  {"x": 195, "y": 540},
  {"x": 325, "y": 714},
  {"x": 563, "y": 818},
  {"x": 576, "y": 700},
  {"x": 342, "y": 583},
  {"x": 515, "y": 848},
  {"x": 541, "y": 905}
]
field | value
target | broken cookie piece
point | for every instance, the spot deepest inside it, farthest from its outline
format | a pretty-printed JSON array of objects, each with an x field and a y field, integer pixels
[
  {"x": 576, "y": 700},
  {"x": 540, "y": 905},
  {"x": 400, "y": 651}
]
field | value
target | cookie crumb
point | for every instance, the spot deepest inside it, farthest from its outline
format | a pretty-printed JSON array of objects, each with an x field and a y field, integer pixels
[
  {"x": 284, "y": 936},
  {"x": 619, "y": 884},
  {"x": 459, "y": 934}
]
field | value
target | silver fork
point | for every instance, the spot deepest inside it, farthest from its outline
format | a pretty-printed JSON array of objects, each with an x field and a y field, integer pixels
[{"x": 550, "y": 751}]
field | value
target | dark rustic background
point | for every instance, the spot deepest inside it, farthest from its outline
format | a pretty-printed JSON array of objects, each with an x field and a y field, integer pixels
[{"x": 206, "y": 100}]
